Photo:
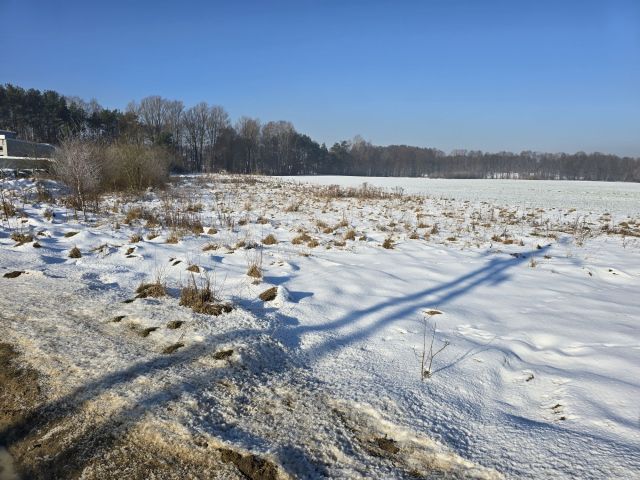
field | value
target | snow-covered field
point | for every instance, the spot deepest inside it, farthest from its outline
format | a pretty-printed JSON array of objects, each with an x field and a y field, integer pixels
[
  {"x": 612, "y": 197},
  {"x": 538, "y": 285}
]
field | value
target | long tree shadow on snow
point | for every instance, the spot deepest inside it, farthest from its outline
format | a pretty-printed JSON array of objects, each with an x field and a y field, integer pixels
[{"x": 493, "y": 273}]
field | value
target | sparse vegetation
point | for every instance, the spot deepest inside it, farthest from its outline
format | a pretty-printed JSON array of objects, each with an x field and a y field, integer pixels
[{"x": 270, "y": 240}]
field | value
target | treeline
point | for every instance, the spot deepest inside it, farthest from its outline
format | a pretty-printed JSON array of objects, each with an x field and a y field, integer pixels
[{"x": 203, "y": 138}]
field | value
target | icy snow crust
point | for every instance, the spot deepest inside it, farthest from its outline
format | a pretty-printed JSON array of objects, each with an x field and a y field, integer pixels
[{"x": 541, "y": 378}]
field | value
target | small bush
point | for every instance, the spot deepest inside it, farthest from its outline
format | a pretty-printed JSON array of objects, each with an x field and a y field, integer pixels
[
  {"x": 388, "y": 243},
  {"x": 134, "y": 167},
  {"x": 75, "y": 253}
]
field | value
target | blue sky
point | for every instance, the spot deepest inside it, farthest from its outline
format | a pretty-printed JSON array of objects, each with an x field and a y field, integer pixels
[{"x": 558, "y": 75}]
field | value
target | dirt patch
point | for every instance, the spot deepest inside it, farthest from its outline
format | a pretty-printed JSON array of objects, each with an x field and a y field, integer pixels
[
  {"x": 14, "y": 274},
  {"x": 40, "y": 441},
  {"x": 222, "y": 354},
  {"x": 174, "y": 324},
  {"x": 253, "y": 466},
  {"x": 20, "y": 390},
  {"x": 172, "y": 348},
  {"x": 387, "y": 445}
]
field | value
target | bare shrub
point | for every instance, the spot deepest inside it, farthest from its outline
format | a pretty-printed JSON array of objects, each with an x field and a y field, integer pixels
[
  {"x": 428, "y": 356},
  {"x": 77, "y": 164},
  {"x": 388, "y": 243},
  {"x": 254, "y": 264}
]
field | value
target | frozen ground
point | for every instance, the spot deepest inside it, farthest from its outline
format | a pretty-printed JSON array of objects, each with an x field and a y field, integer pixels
[{"x": 540, "y": 306}]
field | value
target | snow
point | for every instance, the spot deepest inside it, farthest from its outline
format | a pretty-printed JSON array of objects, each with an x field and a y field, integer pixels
[
  {"x": 613, "y": 197},
  {"x": 540, "y": 379}
]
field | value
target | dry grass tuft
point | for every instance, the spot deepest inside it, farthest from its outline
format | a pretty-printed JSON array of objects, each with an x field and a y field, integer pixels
[
  {"x": 388, "y": 243},
  {"x": 269, "y": 294},
  {"x": 350, "y": 235},
  {"x": 254, "y": 271},
  {"x": 173, "y": 237},
  {"x": 21, "y": 237},
  {"x": 270, "y": 240},
  {"x": 201, "y": 299},
  {"x": 135, "y": 238},
  {"x": 302, "y": 238},
  {"x": 156, "y": 289}
]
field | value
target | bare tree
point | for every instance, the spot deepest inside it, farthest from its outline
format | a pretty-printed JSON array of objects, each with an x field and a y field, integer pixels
[
  {"x": 195, "y": 122},
  {"x": 278, "y": 144},
  {"x": 174, "y": 112},
  {"x": 249, "y": 133},
  {"x": 153, "y": 114},
  {"x": 218, "y": 121}
]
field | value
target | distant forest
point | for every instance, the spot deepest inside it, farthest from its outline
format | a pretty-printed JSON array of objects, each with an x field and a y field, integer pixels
[{"x": 203, "y": 138}]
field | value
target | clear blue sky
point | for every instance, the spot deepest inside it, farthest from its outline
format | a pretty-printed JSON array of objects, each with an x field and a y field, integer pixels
[{"x": 560, "y": 75}]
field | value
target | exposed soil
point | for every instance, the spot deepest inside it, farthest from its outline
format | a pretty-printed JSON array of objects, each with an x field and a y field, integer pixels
[{"x": 44, "y": 443}]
